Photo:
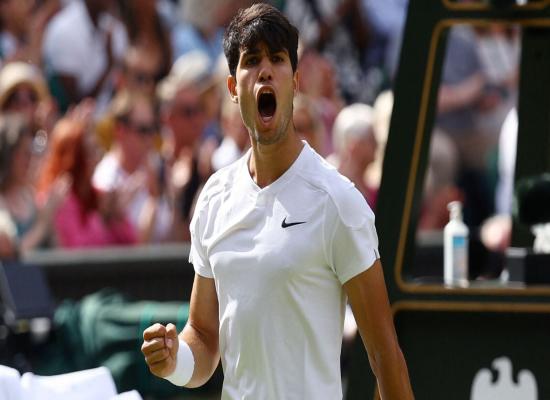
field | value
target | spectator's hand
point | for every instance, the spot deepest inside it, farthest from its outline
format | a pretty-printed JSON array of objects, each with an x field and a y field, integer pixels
[
  {"x": 160, "y": 348},
  {"x": 496, "y": 232},
  {"x": 181, "y": 171}
]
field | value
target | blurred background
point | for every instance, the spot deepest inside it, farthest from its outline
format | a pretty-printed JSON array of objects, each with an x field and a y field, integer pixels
[{"x": 114, "y": 113}]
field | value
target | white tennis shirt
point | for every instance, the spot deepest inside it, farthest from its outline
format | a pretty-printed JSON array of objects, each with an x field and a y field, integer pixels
[{"x": 279, "y": 256}]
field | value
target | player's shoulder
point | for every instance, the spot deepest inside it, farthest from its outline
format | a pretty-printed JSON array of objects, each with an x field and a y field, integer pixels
[
  {"x": 220, "y": 182},
  {"x": 348, "y": 203}
]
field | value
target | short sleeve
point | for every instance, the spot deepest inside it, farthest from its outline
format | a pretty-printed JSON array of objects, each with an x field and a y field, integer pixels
[
  {"x": 197, "y": 253},
  {"x": 352, "y": 246}
]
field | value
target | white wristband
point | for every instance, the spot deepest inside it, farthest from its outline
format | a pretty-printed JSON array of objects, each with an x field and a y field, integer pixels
[{"x": 185, "y": 364}]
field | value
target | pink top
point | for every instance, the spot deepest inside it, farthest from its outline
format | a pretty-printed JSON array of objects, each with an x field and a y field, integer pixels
[{"x": 73, "y": 230}]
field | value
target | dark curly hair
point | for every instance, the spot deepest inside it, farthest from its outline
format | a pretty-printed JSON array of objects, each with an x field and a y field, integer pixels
[{"x": 259, "y": 23}]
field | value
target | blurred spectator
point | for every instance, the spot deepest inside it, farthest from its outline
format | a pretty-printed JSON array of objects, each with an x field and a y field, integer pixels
[
  {"x": 440, "y": 183},
  {"x": 473, "y": 100},
  {"x": 496, "y": 231},
  {"x": 141, "y": 70},
  {"x": 32, "y": 224},
  {"x": 308, "y": 124},
  {"x": 507, "y": 149},
  {"x": 387, "y": 21},
  {"x": 23, "y": 91},
  {"x": 81, "y": 221},
  {"x": 184, "y": 121},
  {"x": 382, "y": 111},
  {"x": 82, "y": 44},
  {"x": 22, "y": 25},
  {"x": 131, "y": 172},
  {"x": 317, "y": 79},
  {"x": 202, "y": 26},
  {"x": 337, "y": 29},
  {"x": 147, "y": 32},
  {"x": 355, "y": 146},
  {"x": 235, "y": 136}
]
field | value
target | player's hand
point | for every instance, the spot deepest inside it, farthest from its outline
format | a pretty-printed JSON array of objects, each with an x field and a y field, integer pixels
[{"x": 160, "y": 348}]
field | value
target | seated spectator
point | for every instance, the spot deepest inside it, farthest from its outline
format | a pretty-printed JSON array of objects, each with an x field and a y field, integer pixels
[
  {"x": 355, "y": 146},
  {"x": 81, "y": 221},
  {"x": 133, "y": 170},
  {"x": 184, "y": 121},
  {"x": 24, "y": 91},
  {"x": 32, "y": 224},
  {"x": 440, "y": 183},
  {"x": 82, "y": 44},
  {"x": 317, "y": 79},
  {"x": 141, "y": 70}
]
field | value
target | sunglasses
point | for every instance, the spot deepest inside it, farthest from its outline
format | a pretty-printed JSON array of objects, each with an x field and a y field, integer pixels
[
  {"x": 144, "y": 78},
  {"x": 21, "y": 97},
  {"x": 142, "y": 129}
]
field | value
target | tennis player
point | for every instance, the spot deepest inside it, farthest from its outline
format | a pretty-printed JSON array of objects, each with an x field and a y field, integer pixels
[{"x": 280, "y": 240}]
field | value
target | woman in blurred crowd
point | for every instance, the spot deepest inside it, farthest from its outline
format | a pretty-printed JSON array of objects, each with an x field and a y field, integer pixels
[
  {"x": 132, "y": 169},
  {"x": 32, "y": 224},
  {"x": 82, "y": 220}
]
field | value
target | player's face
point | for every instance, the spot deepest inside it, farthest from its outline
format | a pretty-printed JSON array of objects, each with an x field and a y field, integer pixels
[{"x": 264, "y": 87}]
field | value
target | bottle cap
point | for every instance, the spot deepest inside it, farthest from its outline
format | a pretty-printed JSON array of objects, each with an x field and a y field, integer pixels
[{"x": 455, "y": 210}]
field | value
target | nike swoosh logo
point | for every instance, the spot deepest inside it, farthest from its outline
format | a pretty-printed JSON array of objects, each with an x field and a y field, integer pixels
[{"x": 285, "y": 224}]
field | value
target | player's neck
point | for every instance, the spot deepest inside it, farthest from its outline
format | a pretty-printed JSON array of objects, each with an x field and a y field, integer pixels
[{"x": 268, "y": 162}]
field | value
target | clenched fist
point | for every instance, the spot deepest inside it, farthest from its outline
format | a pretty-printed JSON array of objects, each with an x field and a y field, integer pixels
[{"x": 160, "y": 348}]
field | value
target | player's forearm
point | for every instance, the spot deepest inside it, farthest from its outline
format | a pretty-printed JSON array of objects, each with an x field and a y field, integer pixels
[
  {"x": 392, "y": 375},
  {"x": 205, "y": 348}
]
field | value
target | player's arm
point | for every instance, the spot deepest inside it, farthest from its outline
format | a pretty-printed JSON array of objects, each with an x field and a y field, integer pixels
[
  {"x": 371, "y": 308},
  {"x": 198, "y": 358},
  {"x": 201, "y": 332}
]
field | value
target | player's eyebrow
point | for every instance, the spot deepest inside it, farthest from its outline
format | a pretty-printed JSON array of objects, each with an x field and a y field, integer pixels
[{"x": 251, "y": 51}]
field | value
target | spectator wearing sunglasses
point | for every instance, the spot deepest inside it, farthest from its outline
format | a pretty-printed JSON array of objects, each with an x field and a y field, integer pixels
[
  {"x": 28, "y": 223},
  {"x": 141, "y": 70},
  {"x": 131, "y": 172},
  {"x": 24, "y": 91},
  {"x": 183, "y": 94}
]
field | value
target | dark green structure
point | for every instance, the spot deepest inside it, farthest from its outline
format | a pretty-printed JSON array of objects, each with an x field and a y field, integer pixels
[{"x": 449, "y": 335}]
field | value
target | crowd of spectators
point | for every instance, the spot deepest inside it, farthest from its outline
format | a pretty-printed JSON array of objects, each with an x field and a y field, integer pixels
[{"x": 113, "y": 113}]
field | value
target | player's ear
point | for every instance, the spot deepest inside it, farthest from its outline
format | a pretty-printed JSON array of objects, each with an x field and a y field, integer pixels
[
  {"x": 232, "y": 87},
  {"x": 295, "y": 80}
]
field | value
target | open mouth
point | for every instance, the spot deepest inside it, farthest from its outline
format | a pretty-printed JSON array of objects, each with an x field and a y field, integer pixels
[{"x": 267, "y": 104}]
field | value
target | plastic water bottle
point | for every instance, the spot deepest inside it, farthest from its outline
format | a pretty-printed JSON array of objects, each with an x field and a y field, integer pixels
[{"x": 455, "y": 247}]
